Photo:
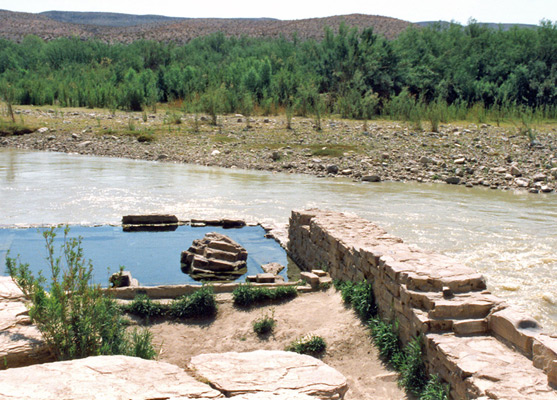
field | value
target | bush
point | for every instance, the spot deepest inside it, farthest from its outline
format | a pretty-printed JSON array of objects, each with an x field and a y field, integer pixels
[
  {"x": 385, "y": 337},
  {"x": 199, "y": 304},
  {"x": 413, "y": 375},
  {"x": 247, "y": 295},
  {"x": 75, "y": 319},
  {"x": 435, "y": 390},
  {"x": 265, "y": 324},
  {"x": 312, "y": 345},
  {"x": 144, "y": 307},
  {"x": 360, "y": 296}
]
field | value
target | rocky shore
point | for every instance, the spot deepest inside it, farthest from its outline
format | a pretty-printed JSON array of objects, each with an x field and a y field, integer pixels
[{"x": 503, "y": 157}]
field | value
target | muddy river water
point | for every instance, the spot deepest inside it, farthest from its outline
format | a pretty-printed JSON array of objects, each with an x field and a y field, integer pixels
[{"x": 510, "y": 237}]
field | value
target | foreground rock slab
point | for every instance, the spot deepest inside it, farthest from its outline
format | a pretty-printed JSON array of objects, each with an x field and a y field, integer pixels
[
  {"x": 21, "y": 343},
  {"x": 270, "y": 373},
  {"x": 103, "y": 377}
]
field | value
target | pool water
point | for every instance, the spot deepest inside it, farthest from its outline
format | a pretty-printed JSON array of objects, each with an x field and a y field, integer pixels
[{"x": 153, "y": 258}]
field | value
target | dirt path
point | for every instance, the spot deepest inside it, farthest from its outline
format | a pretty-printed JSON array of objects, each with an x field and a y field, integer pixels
[{"x": 349, "y": 349}]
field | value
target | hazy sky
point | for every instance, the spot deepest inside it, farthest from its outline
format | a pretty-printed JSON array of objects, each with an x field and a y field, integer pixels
[{"x": 508, "y": 11}]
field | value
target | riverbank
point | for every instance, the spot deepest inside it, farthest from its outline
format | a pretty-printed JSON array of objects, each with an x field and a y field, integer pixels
[{"x": 466, "y": 154}]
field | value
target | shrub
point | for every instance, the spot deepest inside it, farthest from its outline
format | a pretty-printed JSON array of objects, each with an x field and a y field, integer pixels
[
  {"x": 360, "y": 296},
  {"x": 265, "y": 324},
  {"x": 144, "y": 307},
  {"x": 140, "y": 344},
  {"x": 311, "y": 344},
  {"x": 76, "y": 319},
  {"x": 435, "y": 390},
  {"x": 247, "y": 295},
  {"x": 199, "y": 304},
  {"x": 413, "y": 375},
  {"x": 385, "y": 337}
]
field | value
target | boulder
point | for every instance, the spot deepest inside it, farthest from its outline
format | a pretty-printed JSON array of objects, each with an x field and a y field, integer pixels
[
  {"x": 269, "y": 372},
  {"x": 215, "y": 257},
  {"x": 453, "y": 180},
  {"x": 371, "y": 178},
  {"x": 123, "y": 279},
  {"x": 103, "y": 377},
  {"x": 21, "y": 343},
  {"x": 272, "y": 268},
  {"x": 332, "y": 169}
]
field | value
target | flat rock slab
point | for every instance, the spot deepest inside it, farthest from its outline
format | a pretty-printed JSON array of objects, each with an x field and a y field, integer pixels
[
  {"x": 270, "y": 372},
  {"x": 103, "y": 377},
  {"x": 21, "y": 343},
  {"x": 489, "y": 368},
  {"x": 282, "y": 395}
]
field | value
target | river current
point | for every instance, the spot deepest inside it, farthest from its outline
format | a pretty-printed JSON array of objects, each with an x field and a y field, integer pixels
[{"x": 510, "y": 237}]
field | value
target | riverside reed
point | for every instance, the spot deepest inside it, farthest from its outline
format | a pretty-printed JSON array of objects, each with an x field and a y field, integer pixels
[
  {"x": 74, "y": 317},
  {"x": 408, "y": 361},
  {"x": 433, "y": 73}
]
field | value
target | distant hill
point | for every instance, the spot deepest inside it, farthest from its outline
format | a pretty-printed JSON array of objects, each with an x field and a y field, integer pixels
[
  {"x": 127, "y": 28},
  {"x": 492, "y": 25},
  {"x": 107, "y": 19}
]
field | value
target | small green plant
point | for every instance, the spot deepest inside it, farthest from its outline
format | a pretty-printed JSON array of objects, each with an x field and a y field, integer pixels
[
  {"x": 435, "y": 389},
  {"x": 385, "y": 337},
  {"x": 265, "y": 324},
  {"x": 413, "y": 376},
  {"x": 247, "y": 295},
  {"x": 140, "y": 344},
  {"x": 200, "y": 304},
  {"x": 144, "y": 307},
  {"x": 312, "y": 345},
  {"x": 360, "y": 296},
  {"x": 75, "y": 318}
]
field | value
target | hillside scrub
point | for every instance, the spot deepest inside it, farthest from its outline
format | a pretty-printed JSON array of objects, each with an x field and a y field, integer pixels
[{"x": 438, "y": 73}]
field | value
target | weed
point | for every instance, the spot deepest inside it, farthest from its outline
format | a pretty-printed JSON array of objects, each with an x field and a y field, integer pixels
[
  {"x": 385, "y": 337},
  {"x": 144, "y": 307},
  {"x": 265, "y": 324},
  {"x": 310, "y": 344},
  {"x": 360, "y": 296},
  {"x": 247, "y": 295},
  {"x": 413, "y": 376},
  {"x": 140, "y": 344},
  {"x": 435, "y": 389},
  {"x": 200, "y": 304},
  {"x": 76, "y": 319}
]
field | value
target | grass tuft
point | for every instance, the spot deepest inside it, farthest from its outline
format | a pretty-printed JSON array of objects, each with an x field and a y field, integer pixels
[
  {"x": 312, "y": 345},
  {"x": 248, "y": 295}
]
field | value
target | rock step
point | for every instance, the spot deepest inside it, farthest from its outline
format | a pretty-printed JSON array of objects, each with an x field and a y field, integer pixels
[
  {"x": 486, "y": 368},
  {"x": 149, "y": 219},
  {"x": 201, "y": 262}
]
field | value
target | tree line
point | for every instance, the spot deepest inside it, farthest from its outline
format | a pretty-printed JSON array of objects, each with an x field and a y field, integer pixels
[{"x": 357, "y": 74}]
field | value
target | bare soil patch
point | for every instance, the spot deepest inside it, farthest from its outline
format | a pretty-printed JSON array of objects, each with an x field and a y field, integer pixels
[{"x": 349, "y": 347}]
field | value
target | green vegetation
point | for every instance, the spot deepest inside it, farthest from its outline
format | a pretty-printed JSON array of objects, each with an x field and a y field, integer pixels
[
  {"x": 8, "y": 128},
  {"x": 408, "y": 360},
  {"x": 433, "y": 74},
  {"x": 360, "y": 296},
  {"x": 265, "y": 324},
  {"x": 200, "y": 304},
  {"x": 248, "y": 295},
  {"x": 312, "y": 345},
  {"x": 75, "y": 318}
]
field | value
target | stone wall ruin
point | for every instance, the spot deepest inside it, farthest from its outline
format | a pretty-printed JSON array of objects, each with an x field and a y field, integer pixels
[{"x": 473, "y": 340}]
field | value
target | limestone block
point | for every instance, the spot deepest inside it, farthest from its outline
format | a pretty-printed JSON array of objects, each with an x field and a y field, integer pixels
[
  {"x": 272, "y": 268},
  {"x": 470, "y": 326},
  {"x": 265, "y": 278},
  {"x": 310, "y": 278},
  {"x": 279, "y": 395},
  {"x": 149, "y": 219},
  {"x": 515, "y": 327},
  {"x": 467, "y": 309},
  {"x": 103, "y": 377},
  {"x": 319, "y": 272},
  {"x": 544, "y": 351},
  {"x": 269, "y": 371}
]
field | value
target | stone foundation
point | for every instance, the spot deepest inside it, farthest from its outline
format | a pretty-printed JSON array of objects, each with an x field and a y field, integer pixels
[{"x": 473, "y": 339}]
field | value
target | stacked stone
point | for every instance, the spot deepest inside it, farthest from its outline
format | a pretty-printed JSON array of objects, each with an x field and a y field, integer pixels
[{"x": 433, "y": 295}]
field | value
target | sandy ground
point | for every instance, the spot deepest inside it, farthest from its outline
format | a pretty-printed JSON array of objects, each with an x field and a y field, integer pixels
[{"x": 349, "y": 348}]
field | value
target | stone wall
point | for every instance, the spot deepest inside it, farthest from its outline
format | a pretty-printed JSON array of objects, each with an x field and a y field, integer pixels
[{"x": 473, "y": 339}]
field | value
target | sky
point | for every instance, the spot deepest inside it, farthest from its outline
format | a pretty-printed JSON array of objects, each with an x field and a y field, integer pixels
[{"x": 500, "y": 11}]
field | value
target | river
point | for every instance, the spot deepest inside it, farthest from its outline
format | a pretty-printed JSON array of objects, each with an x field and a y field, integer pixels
[{"x": 510, "y": 237}]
